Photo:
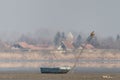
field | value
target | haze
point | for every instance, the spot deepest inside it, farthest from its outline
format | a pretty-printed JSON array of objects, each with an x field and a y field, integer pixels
[{"x": 32, "y": 16}]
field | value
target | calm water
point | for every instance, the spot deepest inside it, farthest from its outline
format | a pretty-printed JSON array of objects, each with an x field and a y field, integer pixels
[
  {"x": 80, "y": 61},
  {"x": 77, "y": 69}
]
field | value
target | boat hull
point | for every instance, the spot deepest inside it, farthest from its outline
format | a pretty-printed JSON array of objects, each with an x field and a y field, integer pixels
[{"x": 58, "y": 70}]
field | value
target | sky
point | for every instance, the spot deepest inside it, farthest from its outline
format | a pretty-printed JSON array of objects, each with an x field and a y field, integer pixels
[{"x": 48, "y": 16}]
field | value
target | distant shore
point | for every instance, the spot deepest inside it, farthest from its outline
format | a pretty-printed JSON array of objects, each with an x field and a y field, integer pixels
[{"x": 107, "y": 58}]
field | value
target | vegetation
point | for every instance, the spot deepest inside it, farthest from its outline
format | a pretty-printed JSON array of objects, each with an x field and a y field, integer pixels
[
  {"x": 57, "y": 39},
  {"x": 77, "y": 41}
]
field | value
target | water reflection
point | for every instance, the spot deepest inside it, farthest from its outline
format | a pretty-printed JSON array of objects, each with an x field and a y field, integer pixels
[{"x": 84, "y": 65}]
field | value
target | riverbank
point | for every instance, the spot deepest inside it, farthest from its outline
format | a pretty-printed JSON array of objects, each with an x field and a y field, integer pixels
[
  {"x": 61, "y": 55},
  {"x": 89, "y": 58},
  {"x": 92, "y": 64},
  {"x": 71, "y": 76}
]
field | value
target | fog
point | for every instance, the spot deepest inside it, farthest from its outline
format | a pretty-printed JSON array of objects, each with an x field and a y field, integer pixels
[{"x": 31, "y": 16}]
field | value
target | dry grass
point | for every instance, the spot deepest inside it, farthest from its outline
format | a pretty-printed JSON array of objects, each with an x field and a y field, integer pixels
[
  {"x": 47, "y": 55},
  {"x": 87, "y": 54}
]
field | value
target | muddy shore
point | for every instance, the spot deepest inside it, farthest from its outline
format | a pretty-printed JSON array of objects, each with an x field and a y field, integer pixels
[{"x": 75, "y": 76}]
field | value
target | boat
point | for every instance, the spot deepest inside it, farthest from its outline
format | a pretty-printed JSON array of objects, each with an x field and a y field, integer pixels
[{"x": 58, "y": 70}]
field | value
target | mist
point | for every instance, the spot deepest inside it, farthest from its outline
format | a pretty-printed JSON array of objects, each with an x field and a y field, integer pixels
[{"x": 45, "y": 17}]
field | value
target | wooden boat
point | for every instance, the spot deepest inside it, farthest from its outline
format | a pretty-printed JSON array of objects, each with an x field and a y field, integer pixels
[{"x": 58, "y": 70}]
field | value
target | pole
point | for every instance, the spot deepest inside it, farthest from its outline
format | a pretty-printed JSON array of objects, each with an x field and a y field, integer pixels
[{"x": 90, "y": 37}]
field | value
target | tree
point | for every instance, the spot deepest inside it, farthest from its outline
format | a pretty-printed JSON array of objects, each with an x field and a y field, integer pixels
[
  {"x": 57, "y": 39},
  {"x": 78, "y": 41},
  {"x": 27, "y": 39},
  {"x": 94, "y": 42},
  {"x": 63, "y": 37},
  {"x": 117, "y": 42},
  {"x": 118, "y": 37},
  {"x": 107, "y": 43}
]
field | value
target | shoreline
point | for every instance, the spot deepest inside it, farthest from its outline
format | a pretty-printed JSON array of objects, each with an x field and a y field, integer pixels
[{"x": 69, "y": 76}]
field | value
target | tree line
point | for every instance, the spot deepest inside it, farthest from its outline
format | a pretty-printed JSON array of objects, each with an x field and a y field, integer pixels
[
  {"x": 100, "y": 43},
  {"x": 78, "y": 40}
]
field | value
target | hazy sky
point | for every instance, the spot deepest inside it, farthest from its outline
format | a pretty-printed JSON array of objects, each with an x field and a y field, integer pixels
[{"x": 25, "y": 16}]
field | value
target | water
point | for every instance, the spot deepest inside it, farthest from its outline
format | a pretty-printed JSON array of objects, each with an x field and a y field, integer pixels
[
  {"x": 28, "y": 65},
  {"x": 78, "y": 70},
  {"x": 80, "y": 60},
  {"x": 97, "y": 70}
]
